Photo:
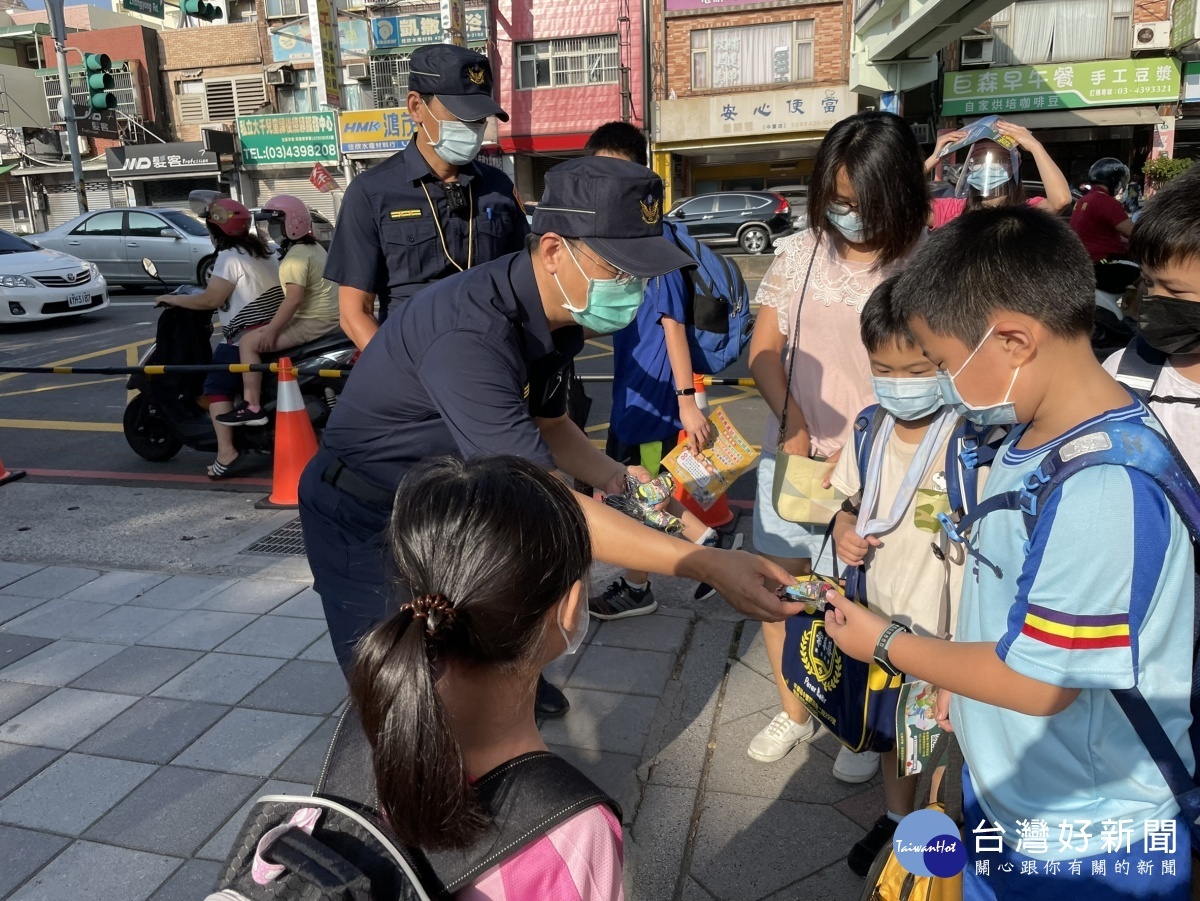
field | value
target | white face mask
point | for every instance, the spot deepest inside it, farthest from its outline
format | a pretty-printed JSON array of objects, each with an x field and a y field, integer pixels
[{"x": 575, "y": 640}]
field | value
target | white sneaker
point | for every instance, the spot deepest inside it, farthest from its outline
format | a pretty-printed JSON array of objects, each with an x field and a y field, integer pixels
[
  {"x": 855, "y": 768},
  {"x": 780, "y": 736}
]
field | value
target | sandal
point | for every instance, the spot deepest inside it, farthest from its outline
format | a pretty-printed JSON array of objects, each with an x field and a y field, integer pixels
[{"x": 218, "y": 470}]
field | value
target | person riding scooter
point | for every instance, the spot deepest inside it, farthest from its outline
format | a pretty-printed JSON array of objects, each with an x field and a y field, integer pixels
[{"x": 1104, "y": 226}]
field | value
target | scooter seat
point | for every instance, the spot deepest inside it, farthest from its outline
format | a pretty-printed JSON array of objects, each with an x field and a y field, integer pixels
[{"x": 332, "y": 342}]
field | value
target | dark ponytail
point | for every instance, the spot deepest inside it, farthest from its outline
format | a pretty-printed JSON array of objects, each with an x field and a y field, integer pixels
[{"x": 500, "y": 541}]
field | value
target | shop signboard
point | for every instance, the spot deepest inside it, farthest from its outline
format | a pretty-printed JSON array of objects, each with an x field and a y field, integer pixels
[
  {"x": 151, "y": 8},
  {"x": 180, "y": 159},
  {"x": 1060, "y": 86},
  {"x": 322, "y": 24},
  {"x": 374, "y": 131},
  {"x": 398, "y": 32},
  {"x": 287, "y": 139},
  {"x": 705, "y": 5},
  {"x": 293, "y": 43},
  {"x": 1191, "y": 82},
  {"x": 754, "y": 113},
  {"x": 1185, "y": 23}
]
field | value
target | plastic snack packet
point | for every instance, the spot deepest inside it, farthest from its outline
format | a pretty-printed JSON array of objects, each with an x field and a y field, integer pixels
[{"x": 639, "y": 499}]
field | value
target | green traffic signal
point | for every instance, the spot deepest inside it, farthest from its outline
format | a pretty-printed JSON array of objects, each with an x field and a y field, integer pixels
[
  {"x": 202, "y": 10},
  {"x": 97, "y": 62},
  {"x": 98, "y": 67}
]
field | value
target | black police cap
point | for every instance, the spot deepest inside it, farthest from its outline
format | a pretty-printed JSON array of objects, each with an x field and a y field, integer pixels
[
  {"x": 616, "y": 208},
  {"x": 460, "y": 78}
]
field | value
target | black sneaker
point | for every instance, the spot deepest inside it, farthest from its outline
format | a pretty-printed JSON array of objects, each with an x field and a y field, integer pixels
[
  {"x": 619, "y": 601},
  {"x": 243, "y": 415},
  {"x": 551, "y": 704},
  {"x": 729, "y": 541},
  {"x": 864, "y": 852}
]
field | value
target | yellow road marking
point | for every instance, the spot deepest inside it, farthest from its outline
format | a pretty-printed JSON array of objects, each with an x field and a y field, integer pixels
[
  {"x": 61, "y": 386},
  {"x": 601, "y": 345},
  {"x": 131, "y": 359},
  {"x": 82, "y": 357},
  {"x": 746, "y": 392},
  {"x": 58, "y": 425},
  {"x": 593, "y": 356}
]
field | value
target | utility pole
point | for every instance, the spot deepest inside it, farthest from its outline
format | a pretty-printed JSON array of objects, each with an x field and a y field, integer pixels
[{"x": 58, "y": 30}]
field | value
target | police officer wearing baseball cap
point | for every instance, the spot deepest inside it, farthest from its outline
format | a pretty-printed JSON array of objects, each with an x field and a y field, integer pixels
[
  {"x": 429, "y": 211},
  {"x": 475, "y": 365}
]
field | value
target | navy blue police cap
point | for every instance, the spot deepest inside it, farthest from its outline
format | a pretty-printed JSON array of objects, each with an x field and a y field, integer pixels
[
  {"x": 615, "y": 207},
  {"x": 460, "y": 78}
]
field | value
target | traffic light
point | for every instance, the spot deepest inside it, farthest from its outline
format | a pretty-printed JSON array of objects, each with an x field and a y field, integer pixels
[
  {"x": 98, "y": 71},
  {"x": 199, "y": 9}
]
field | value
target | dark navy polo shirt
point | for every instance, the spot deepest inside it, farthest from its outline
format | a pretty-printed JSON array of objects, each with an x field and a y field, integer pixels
[
  {"x": 387, "y": 242},
  {"x": 462, "y": 368}
]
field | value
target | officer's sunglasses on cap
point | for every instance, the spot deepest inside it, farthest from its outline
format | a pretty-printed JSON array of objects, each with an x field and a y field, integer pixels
[{"x": 622, "y": 278}]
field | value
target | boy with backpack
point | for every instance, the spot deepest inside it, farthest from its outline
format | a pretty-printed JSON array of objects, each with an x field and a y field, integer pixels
[
  {"x": 1162, "y": 364},
  {"x": 1073, "y": 652},
  {"x": 898, "y": 479}
]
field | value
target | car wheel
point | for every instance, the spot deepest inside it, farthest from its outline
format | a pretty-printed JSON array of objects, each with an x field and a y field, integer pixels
[
  {"x": 148, "y": 435},
  {"x": 204, "y": 269},
  {"x": 754, "y": 239}
]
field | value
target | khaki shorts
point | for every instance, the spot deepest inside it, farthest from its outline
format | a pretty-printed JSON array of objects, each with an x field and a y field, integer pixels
[{"x": 302, "y": 331}]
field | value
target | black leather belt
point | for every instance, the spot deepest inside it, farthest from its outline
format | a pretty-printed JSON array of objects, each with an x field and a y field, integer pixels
[{"x": 337, "y": 475}]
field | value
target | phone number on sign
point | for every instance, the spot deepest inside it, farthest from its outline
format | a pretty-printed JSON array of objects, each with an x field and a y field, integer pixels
[{"x": 291, "y": 152}]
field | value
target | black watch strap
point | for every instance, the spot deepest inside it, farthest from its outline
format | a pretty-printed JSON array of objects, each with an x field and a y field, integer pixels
[
  {"x": 881, "y": 648},
  {"x": 684, "y": 392}
]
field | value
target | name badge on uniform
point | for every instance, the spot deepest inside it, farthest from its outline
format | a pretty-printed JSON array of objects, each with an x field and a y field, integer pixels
[{"x": 405, "y": 214}]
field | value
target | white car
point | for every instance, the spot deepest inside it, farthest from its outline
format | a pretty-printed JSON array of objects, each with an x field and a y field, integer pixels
[{"x": 45, "y": 284}]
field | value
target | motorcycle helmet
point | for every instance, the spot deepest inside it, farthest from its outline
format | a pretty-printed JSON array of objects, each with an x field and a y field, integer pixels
[
  {"x": 230, "y": 217},
  {"x": 1111, "y": 173},
  {"x": 991, "y": 169},
  {"x": 287, "y": 217}
]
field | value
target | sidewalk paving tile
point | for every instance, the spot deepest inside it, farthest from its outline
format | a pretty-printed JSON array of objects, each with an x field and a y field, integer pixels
[
  {"x": 72, "y": 793},
  {"x": 154, "y": 730},
  {"x": 307, "y": 760},
  {"x": 14, "y": 647},
  {"x": 623, "y": 670},
  {"x": 125, "y": 625},
  {"x": 219, "y": 678},
  {"x": 258, "y": 597},
  {"x": 174, "y": 811},
  {"x": 747, "y": 692},
  {"x": 614, "y": 773},
  {"x": 64, "y": 719},
  {"x": 99, "y": 873},
  {"x": 12, "y": 606},
  {"x": 218, "y": 847},
  {"x": 23, "y": 852},
  {"x": 137, "y": 670},
  {"x": 660, "y": 835},
  {"x": 19, "y": 762},
  {"x": 198, "y": 630},
  {"x": 602, "y": 721},
  {"x": 249, "y": 742},
  {"x": 55, "y": 619},
  {"x": 307, "y": 605},
  {"x": 321, "y": 649},
  {"x": 301, "y": 686},
  {"x": 16, "y": 696},
  {"x": 51, "y": 582},
  {"x": 60, "y": 663},
  {"x": 194, "y": 881},
  {"x": 275, "y": 636},
  {"x": 647, "y": 633},
  {"x": 117, "y": 587},
  {"x": 835, "y": 881},
  {"x": 182, "y": 592},
  {"x": 11, "y": 572}
]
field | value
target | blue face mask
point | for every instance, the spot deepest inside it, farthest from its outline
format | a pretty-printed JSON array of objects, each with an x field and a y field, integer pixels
[
  {"x": 1003, "y": 413},
  {"x": 908, "y": 399},
  {"x": 850, "y": 224},
  {"x": 988, "y": 178},
  {"x": 458, "y": 142},
  {"x": 612, "y": 303}
]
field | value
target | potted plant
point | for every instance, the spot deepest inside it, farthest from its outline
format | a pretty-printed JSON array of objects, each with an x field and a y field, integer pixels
[{"x": 1161, "y": 170}]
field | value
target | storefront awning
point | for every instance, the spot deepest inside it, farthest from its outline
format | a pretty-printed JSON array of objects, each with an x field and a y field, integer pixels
[
  {"x": 754, "y": 150},
  {"x": 33, "y": 29},
  {"x": 1082, "y": 118},
  {"x": 90, "y": 167},
  {"x": 4, "y": 170}
]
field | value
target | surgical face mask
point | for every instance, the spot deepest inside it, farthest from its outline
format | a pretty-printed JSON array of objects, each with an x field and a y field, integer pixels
[
  {"x": 612, "y": 303},
  {"x": 458, "y": 142},
  {"x": 848, "y": 222},
  {"x": 988, "y": 177},
  {"x": 908, "y": 399},
  {"x": 1003, "y": 413},
  {"x": 1169, "y": 324},
  {"x": 575, "y": 639}
]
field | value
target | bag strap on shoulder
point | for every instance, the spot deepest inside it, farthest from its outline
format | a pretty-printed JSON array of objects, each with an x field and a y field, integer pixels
[{"x": 1140, "y": 367}]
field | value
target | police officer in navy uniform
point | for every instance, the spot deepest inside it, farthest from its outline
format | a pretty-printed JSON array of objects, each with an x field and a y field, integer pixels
[
  {"x": 475, "y": 365},
  {"x": 429, "y": 211}
]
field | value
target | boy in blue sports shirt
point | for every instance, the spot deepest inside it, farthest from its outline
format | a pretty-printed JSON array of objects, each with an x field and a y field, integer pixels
[{"x": 1061, "y": 798}]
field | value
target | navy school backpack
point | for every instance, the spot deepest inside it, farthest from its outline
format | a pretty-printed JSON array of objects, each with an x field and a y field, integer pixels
[
  {"x": 1136, "y": 446},
  {"x": 718, "y": 307}
]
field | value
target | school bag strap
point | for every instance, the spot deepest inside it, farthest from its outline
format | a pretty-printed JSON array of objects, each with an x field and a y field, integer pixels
[{"x": 1140, "y": 367}]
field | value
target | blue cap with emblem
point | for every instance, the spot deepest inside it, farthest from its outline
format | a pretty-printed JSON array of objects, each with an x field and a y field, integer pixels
[
  {"x": 615, "y": 207},
  {"x": 460, "y": 78}
]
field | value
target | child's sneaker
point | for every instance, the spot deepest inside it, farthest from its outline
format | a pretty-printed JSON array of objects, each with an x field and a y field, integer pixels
[
  {"x": 855, "y": 768},
  {"x": 864, "y": 852},
  {"x": 719, "y": 539},
  {"x": 779, "y": 737},
  {"x": 619, "y": 601},
  {"x": 243, "y": 415}
]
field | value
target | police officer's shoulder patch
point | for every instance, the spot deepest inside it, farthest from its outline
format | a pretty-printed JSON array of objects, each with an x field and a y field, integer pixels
[{"x": 406, "y": 214}]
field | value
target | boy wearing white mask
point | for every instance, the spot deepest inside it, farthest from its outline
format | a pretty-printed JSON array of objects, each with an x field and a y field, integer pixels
[{"x": 893, "y": 528}]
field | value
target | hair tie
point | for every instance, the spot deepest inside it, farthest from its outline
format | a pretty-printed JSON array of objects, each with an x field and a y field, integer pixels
[{"x": 434, "y": 610}]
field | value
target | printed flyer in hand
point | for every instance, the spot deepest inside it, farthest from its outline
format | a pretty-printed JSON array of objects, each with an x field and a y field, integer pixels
[
  {"x": 708, "y": 476},
  {"x": 917, "y": 732}
]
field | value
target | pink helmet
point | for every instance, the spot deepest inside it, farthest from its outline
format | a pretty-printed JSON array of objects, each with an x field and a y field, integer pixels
[
  {"x": 297, "y": 220},
  {"x": 230, "y": 217}
]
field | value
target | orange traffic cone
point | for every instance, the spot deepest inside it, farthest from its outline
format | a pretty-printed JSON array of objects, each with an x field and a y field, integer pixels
[
  {"x": 719, "y": 513},
  {"x": 10, "y": 475},
  {"x": 295, "y": 441}
]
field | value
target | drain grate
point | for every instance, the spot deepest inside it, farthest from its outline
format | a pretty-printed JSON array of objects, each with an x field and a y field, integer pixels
[{"x": 286, "y": 541}]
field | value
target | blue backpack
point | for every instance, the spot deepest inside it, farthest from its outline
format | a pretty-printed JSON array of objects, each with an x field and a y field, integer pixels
[
  {"x": 1135, "y": 446},
  {"x": 718, "y": 309}
]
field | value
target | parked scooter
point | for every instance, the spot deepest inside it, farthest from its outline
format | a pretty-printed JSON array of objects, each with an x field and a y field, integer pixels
[
  {"x": 167, "y": 413},
  {"x": 1112, "y": 328}
]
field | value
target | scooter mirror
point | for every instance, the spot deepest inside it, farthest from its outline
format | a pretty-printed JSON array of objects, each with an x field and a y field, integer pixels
[{"x": 148, "y": 265}]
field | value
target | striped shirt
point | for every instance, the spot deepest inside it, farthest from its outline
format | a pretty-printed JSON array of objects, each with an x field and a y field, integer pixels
[{"x": 256, "y": 295}]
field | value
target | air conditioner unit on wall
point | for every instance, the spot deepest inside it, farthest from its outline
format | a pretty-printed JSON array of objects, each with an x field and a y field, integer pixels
[
  {"x": 1152, "y": 36},
  {"x": 278, "y": 77},
  {"x": 976, "y": 50},
  {"x": 358, "y": 72}
]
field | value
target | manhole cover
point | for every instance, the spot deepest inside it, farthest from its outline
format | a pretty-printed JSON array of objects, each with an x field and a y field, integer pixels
[{"x": 286, "y": 541}]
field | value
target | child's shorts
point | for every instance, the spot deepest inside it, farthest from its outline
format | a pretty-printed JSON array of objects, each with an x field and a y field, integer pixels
[{"x": 1119, "y": 876}]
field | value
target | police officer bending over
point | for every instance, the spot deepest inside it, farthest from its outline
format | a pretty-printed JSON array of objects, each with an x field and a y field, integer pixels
[
  {"x": 475, "y": 365},
  {"x": 429, "y": 211}
]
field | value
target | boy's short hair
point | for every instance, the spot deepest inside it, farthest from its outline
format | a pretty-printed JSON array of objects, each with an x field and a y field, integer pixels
[
  {"x": 881, "y": 323},
  {"x": 1005, "y": 259},
  {"x": 620, "y": 138},
  {"x": 1168, "y": 229}
]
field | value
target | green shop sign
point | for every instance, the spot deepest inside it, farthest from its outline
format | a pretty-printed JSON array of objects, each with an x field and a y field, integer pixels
[
  {"x": 288, "y": 139},
  {"x": 1061, "y": 86},
  {"x": 152, "y": 8}
]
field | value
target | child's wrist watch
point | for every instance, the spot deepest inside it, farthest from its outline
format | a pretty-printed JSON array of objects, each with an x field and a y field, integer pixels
[{"x": 881, "y": 647}]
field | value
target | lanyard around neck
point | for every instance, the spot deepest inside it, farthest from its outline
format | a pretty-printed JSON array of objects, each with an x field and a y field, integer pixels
[{"x": 437, "y": 223}]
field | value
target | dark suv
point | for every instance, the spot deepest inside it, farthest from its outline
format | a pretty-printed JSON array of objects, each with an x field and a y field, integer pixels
[{"x": 749, "y": 219}]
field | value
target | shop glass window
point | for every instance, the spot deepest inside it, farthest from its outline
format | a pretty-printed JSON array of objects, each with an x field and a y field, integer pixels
[
  {"x": 286, "y": 9},
  {"x": 302, "y": 96},
  {"x": 699, "y": 60},
  {"x": 752, "y": 55},
  {"x": 1037, "y": 32},
  {"x": 570, "y": 62}
]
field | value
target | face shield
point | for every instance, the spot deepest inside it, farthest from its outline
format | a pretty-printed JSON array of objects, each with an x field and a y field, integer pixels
[{"x": 989, "y": 169}]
